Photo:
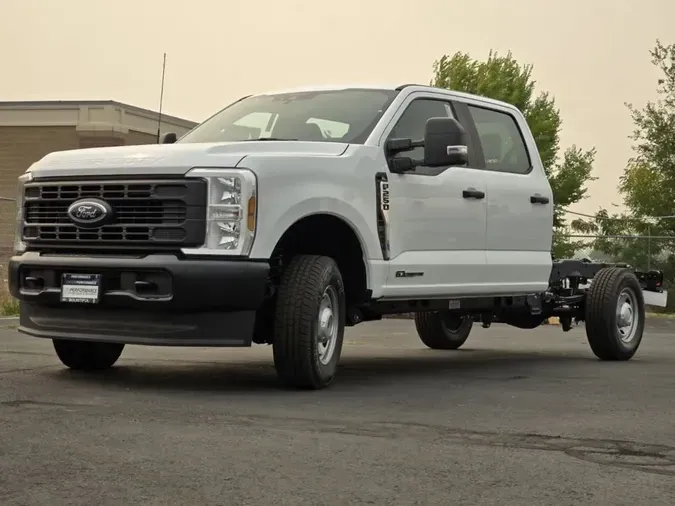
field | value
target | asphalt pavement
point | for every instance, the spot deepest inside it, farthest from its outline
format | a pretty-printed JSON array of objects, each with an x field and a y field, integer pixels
[{"x": 516, "y": 418}]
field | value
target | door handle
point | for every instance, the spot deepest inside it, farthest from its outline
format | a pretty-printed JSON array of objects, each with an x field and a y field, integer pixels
[
  {"x": 538, "y": 199},
  {"x": 472, "y": 193}
]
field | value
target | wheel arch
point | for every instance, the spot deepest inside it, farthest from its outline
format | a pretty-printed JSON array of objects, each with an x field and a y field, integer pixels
[
  {"x": 271, "y": 231},
  {"x": 325, "y": 233}
]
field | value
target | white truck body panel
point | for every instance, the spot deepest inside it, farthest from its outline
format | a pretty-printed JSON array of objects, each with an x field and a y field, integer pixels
[
  {"x": 287, "y": 216},
  {"x": 463, "y": 247}
]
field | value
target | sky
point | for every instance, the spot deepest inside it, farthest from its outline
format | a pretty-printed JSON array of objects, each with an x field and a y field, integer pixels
[{"x": 592, "y": 55}]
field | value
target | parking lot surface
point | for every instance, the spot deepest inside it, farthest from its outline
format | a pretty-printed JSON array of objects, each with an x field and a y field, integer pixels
[{"x": 515, "y": 418}]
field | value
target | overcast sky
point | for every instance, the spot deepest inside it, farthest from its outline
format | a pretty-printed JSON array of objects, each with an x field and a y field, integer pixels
[{"x": 592, "y": 55}]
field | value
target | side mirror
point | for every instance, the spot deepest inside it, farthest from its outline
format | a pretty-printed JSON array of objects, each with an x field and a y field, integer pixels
[
  {"x": 169, "y": 138},
  {"x": 445, "y": 143}
]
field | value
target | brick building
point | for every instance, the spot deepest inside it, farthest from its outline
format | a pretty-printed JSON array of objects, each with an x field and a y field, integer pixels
[{"x": 30, "y": 130}]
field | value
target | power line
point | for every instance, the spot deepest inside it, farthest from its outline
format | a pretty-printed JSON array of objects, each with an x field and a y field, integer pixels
[{"x": 618, "y": 218}]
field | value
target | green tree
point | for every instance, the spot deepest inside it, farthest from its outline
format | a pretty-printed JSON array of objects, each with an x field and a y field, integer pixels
[
  {"x": 648, "y": 182},
  {"x": 504, "y": 78}
]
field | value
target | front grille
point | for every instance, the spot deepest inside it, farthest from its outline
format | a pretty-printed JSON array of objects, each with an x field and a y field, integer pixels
[
  {"x": 126, "y": 212},
  {"x": 154, "y": 214}
]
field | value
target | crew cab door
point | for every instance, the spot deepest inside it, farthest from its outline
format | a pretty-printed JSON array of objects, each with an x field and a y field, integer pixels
[
  {"x": 436, "y": 217},
  {"x": 519, "y": 201}
]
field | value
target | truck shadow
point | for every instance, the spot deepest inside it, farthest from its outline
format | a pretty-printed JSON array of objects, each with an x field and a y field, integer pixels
[{"x": 423, "y": 369}]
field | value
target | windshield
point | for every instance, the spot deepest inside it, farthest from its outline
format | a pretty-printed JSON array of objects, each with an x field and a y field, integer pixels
[{"x": 320, "y": 116}]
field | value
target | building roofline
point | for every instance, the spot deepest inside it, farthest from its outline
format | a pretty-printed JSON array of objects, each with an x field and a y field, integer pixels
[{"x": 74, "y": 103}]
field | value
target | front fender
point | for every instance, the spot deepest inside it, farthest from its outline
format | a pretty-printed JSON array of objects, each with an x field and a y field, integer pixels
[{"x": 273, "y": 226}]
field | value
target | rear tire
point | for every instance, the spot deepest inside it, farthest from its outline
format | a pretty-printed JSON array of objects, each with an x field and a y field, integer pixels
[
  {"x": 615, "y": 314},
  {"x": 87, "y": 355},
  {"x": 309, "y": 322},
  {"x": 441, "y": 330}
]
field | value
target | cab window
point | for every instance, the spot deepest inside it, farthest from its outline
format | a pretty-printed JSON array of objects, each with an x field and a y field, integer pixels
[{"x": 502, "y": 141}]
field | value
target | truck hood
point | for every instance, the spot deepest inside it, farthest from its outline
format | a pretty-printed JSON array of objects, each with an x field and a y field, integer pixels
[{"x": 170, "y": 159}]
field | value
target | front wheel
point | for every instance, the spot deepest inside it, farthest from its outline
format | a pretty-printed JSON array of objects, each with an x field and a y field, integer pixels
[
  {"x": 309, "y": 322},
  {"x": 87, "y": 355},
  {"x": 440, "y": 330},
  {"x": 615, "y": 314}
]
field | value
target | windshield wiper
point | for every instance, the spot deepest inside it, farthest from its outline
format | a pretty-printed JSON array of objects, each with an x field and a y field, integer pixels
[{"x": 270, "y": 139}]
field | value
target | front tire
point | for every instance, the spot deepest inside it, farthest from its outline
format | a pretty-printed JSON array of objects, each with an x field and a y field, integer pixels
[
  {"x": 441, "y": 330},
  {"x": 87, "y": 355},
  {"x": 615, "y": 314},
  {"x": 309, "y": 322}
]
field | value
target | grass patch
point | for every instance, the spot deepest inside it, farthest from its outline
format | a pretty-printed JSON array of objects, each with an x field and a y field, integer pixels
[
  {"x": 665, "y": 316},
  {"x": 9, "y": 306}
]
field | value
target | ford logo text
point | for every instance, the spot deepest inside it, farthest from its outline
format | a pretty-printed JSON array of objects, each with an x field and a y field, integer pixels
[{"x": 89, "y": 212}]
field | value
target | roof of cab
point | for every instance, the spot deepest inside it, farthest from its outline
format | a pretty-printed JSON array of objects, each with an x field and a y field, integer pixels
[
  {"x": 389, "y": 87},
  {"x": 332, "y": 87}
]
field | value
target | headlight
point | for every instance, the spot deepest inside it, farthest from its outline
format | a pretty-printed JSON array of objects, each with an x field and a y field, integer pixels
[
  {"x": 230, "y": 211},
  {"x": 19, "y": 245}
]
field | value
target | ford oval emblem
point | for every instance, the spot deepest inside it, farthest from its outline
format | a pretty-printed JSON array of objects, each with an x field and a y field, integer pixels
[{"x": 89, "y": 212}]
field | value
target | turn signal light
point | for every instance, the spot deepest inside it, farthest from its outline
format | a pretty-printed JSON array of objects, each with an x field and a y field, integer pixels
[{"x": 250, "y": 221}]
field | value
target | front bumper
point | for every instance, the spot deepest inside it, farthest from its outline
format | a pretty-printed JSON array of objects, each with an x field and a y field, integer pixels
[{"x": 156, "y": 299}]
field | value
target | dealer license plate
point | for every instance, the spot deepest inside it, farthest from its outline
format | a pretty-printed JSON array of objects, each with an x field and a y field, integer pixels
[{"x": 82, "y": 288}]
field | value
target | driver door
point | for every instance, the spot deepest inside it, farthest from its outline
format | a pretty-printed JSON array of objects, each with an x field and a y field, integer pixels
[{"x": 437, "y": 216}]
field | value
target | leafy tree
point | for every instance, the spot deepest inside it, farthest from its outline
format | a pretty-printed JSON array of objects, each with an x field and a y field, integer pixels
[
  {"x": 504, "y": 78},
  {"x": 648, "y": 182}
]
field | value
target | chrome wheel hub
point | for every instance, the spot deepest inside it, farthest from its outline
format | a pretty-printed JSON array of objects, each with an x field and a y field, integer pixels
[
  {"x": 626, "y": 315},
  {"x": 327, "y": 325},
  {"x": 626, "y": 318}
]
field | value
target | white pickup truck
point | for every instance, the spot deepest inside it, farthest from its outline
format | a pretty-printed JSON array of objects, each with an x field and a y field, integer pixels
[{"x": 287, "y": 216}]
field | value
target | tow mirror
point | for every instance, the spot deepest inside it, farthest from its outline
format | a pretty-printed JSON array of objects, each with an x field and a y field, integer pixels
[
  {"x": 445, "y": 143},
  {"x": 169, "y": 138}
]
